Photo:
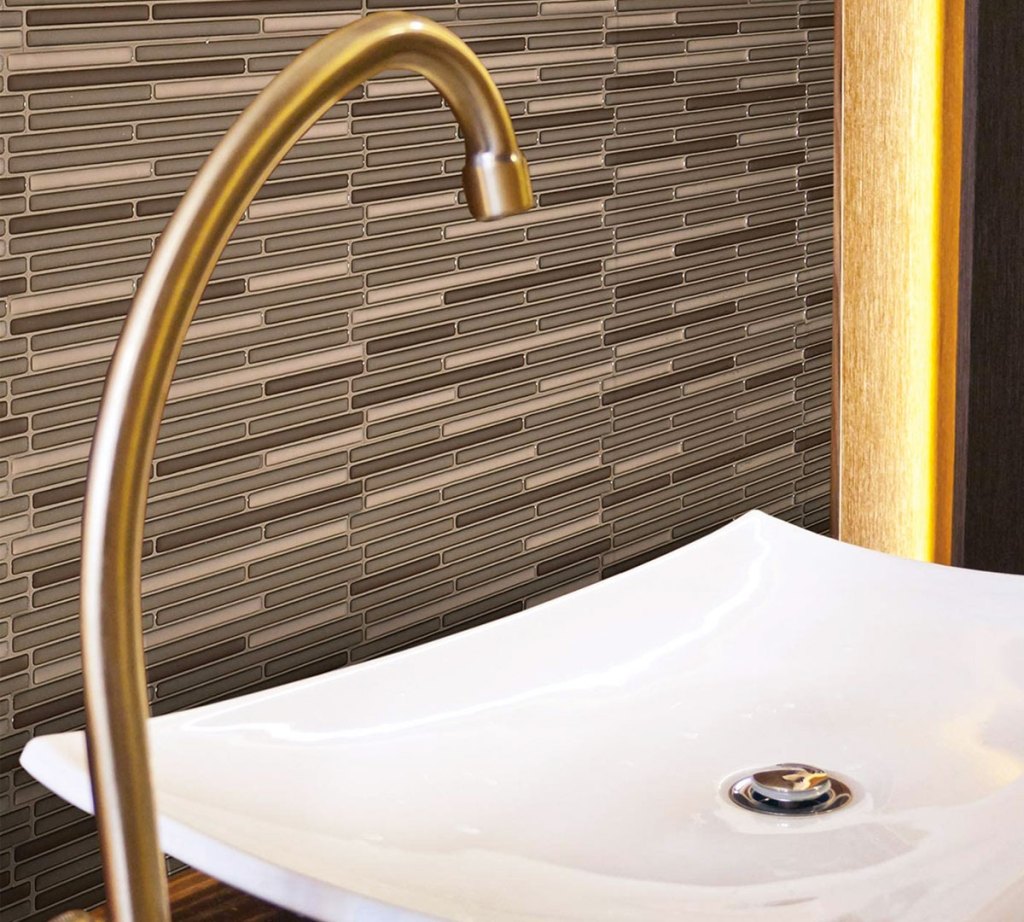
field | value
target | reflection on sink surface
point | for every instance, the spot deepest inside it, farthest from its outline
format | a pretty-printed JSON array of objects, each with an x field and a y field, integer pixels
[{"x": 573, "y": 762}]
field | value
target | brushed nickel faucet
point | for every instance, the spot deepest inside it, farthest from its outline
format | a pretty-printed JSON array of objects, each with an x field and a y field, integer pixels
[{"x": 496, "y": 183}]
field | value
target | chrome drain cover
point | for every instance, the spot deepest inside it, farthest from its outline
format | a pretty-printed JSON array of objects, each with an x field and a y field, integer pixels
[{"x": 790, "y": 789}]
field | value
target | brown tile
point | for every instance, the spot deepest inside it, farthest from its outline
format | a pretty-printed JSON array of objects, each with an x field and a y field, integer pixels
[
  {"x": 138, "y": 32},
  {"x": 471, "y": 372},
  {"x": 108, "y": 270},
  {"x": 687, "y": 273},
  {"x": 128, "y": 74},
  {"x": 70, "y": 218},
  {"x": 215, "y": 8},
  {"x": 73, "y": 15},
  {"x": 257, "y": 443}
]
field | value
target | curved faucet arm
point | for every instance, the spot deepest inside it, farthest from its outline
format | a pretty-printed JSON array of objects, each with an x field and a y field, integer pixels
[{"x": 496, "y": 183}]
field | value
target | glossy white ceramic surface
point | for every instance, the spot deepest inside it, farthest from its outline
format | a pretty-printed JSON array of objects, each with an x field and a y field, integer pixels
[{"x": 570, "y": 763}]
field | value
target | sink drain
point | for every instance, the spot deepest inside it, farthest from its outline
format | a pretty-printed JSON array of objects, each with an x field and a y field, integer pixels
[{"x": 790, "y": 789}]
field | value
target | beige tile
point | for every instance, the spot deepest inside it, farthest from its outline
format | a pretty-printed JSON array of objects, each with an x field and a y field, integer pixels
[
  {"x": 42, "y": 460},
  {"x": 296, "y": 276},
  {"x": 398, "y": 308},
  {"x": 517, "y": 76},
  {"x": 188, "y": 627},
  {"x": 518, "y": 408},
  {"x": 561, "y": 473},
  {"x": 377, "y": 89},
  {"x": 293, "y": 204},
  {"x": 566, "y": 165},
  {"x": 300, "y": 625},
  {"x": 640, "y": 20},
  {"x": 595, "y": 374},
  {"x": 544, "y": 538},
  {"x": 523, "y": 344},
  {"x": 436, "y": 481},
  {"x": 60, "y": 358},
  {"x": 335, "y": 128},
  {"x": 565, "y": 7},
  {"x": 13, "y": 525},
  {"x": 442, "y": 397},
  {"x": 540, "y": 58},
  {"x": 91, "y": 176},
  {"x": 565, "y": 103},
  {"x": 297, "y": 488},
  {"x": 412, "y": 203},
  {"x": 313, "y": 447},
  {"x": 210, "y": 384},
  {"x": 86, "y": 294},
  {"x": 209, "y": 86},
  {"x": 307, "y": 23},
  {"x": 58, "y": 60},
  {"x": 209, "y": 329}
]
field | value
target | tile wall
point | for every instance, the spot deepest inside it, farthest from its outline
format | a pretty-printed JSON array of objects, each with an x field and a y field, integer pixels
[{"x": 390, "y": 422}]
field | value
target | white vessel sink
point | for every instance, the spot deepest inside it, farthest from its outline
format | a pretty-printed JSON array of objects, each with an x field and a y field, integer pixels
[{"x": 573, "y": 762}]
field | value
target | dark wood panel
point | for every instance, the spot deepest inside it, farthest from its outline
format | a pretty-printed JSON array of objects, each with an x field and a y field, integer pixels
[
  {"x": 989, "y": 501},
  {"x": 198, "y": 898}
]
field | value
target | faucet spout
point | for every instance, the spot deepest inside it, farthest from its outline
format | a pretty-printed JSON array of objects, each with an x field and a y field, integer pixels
[{"x": 496, "y": 183}]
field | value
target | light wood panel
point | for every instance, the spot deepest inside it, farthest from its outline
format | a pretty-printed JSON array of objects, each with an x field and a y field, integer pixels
[{"x": 899, "y": 66}]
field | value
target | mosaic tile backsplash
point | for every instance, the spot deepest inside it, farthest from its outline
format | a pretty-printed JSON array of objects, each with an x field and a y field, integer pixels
[{"x": 390, "y": 422}]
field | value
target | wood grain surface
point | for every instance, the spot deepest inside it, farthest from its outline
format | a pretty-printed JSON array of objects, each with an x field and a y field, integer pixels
[
  {"x": 198, "y": 898},
  {"x": 897, "y": 197},
  {"x": 990, "y": 402}
]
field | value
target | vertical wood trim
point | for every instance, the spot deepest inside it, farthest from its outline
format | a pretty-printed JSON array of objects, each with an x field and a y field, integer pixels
[
  {"x": 836, "y": 512},
  {"x": 968, "y": 161},
  {"x": 950, "y": 169},
  {"x": 898, "y": 146}
]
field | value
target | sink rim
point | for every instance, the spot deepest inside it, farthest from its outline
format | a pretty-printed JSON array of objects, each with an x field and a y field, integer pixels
[{"x": 230, "y": 864}]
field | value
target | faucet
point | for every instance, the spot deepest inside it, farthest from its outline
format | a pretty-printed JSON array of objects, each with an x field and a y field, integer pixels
[{"x": 496, "y": 183}]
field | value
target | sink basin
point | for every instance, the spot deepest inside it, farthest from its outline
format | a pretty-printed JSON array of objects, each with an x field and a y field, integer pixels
[{"x": 574, "y": 762}]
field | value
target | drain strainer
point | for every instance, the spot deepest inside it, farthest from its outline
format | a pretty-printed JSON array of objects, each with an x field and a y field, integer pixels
[{"x": 790, "y": 789}]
